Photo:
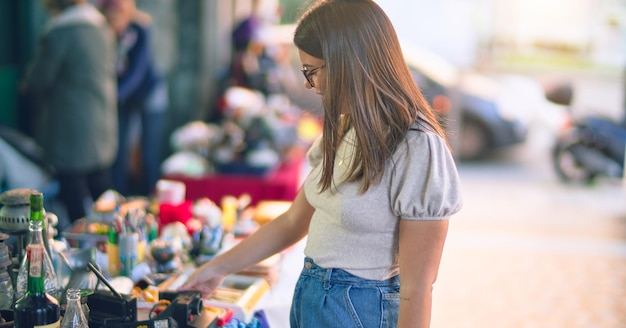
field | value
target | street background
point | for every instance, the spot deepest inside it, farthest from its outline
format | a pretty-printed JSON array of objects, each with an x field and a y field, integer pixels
[
  {"x": 530, "y": 251},
  {"x": 526, "y": 250}
]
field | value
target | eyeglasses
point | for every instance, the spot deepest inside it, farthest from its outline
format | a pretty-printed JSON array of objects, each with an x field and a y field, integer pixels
[{"x": 308, "y": 74}]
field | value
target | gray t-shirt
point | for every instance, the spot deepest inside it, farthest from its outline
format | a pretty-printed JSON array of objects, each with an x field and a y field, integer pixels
[{"x": 359, "y": 232}]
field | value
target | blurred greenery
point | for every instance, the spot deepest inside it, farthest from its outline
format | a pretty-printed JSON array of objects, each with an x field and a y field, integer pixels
[
  {"x": 291, "y": 10},
  {"x": 553, "y": 63}
]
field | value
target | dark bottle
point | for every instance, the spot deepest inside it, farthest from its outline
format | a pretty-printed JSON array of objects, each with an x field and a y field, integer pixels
[{"x": 36, "y": 308}]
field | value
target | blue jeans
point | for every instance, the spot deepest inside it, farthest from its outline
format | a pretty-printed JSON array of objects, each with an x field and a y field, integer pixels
[{"x": 335, "y": 298}]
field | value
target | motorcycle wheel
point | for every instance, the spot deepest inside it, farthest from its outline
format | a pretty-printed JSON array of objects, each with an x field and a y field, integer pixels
[{"x": 567, "y": 166}]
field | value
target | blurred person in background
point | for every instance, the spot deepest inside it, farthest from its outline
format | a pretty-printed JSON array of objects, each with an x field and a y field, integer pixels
[
  {"x": 249, "y": 61},
  {"x": 142, "y": 94},
  {"x": 382, "y": 186},
  {"x": 71, "y": 81},
  {"x": 251, "y": 65}
]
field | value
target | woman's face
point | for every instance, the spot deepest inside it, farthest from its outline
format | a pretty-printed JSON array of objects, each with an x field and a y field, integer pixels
[{"x": 315, "y": 72}]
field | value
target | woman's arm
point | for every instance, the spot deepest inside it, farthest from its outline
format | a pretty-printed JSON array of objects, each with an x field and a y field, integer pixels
[
  {"x": 271, "y": 238},
  {"x": 421, "y": 246}
]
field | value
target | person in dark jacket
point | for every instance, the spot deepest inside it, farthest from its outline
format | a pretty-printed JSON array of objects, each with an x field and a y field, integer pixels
[
  {"x": 72, "y": 82},
  {"x": 142, "y": 94}
]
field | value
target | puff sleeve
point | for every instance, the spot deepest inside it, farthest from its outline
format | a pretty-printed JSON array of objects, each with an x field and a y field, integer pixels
[{"x": 425, "y": 184}]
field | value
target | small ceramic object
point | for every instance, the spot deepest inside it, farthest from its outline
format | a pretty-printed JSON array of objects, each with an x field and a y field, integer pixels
[{"x": 15, "y": 211}]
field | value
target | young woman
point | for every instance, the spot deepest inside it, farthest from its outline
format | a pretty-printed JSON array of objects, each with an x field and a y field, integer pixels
[{"x": 383, "y": 183}]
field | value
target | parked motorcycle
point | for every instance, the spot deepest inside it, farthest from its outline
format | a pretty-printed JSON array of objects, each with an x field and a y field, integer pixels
[{"x": 590, "y": 147}]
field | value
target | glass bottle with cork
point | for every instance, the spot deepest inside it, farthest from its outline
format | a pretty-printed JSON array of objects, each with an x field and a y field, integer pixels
[
  {"x": 36, "y": 237},
  {"x": 36, "y": 308}
]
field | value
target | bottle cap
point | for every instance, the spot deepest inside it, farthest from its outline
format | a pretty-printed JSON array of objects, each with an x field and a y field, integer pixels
[{"x": 36, "y": 201}]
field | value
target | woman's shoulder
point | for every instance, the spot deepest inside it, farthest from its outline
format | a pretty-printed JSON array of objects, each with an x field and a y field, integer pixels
[
  {"x": 422, "y": 146},
  {"x": 422, "y": 125},
  {"x": 422, "y": 131}
]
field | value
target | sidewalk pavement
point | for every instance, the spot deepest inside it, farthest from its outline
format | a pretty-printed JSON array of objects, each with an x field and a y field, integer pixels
[{"x": 532, "y": 252}]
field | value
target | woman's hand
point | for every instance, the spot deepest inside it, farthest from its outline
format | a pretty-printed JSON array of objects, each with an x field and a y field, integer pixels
[
  {"x": 204, "y": 279},
  {"x": 273, "y": 237}
]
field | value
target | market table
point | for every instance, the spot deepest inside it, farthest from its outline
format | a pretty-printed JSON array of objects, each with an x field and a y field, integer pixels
[
  {"x": 280, "y": 184},
  {"x": 276, "y": 302}
]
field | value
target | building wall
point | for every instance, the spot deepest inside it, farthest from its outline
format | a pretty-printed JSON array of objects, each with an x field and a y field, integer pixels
[{"x": 468, "y": 31}]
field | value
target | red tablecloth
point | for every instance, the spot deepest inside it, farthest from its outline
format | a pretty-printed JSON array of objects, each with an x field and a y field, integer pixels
[{"x": 281, "y": 184}]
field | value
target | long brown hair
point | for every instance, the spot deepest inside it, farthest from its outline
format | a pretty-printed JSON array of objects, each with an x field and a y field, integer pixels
[{"x": 368, "y": 78}]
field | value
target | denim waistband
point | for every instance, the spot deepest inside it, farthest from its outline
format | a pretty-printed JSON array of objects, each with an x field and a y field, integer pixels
[{"x": 334, "y": 275}]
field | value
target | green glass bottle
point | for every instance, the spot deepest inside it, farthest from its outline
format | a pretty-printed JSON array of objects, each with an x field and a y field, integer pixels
[
  {"x": 38, "y": 213},
  {"x": 36, "y": 309},
  {"x": 36, "y": 236}
]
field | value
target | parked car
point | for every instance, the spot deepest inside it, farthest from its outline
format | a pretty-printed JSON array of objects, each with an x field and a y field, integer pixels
[
  {"x": 494, "y": 111},
  {"x": 485, "y": 123}
]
